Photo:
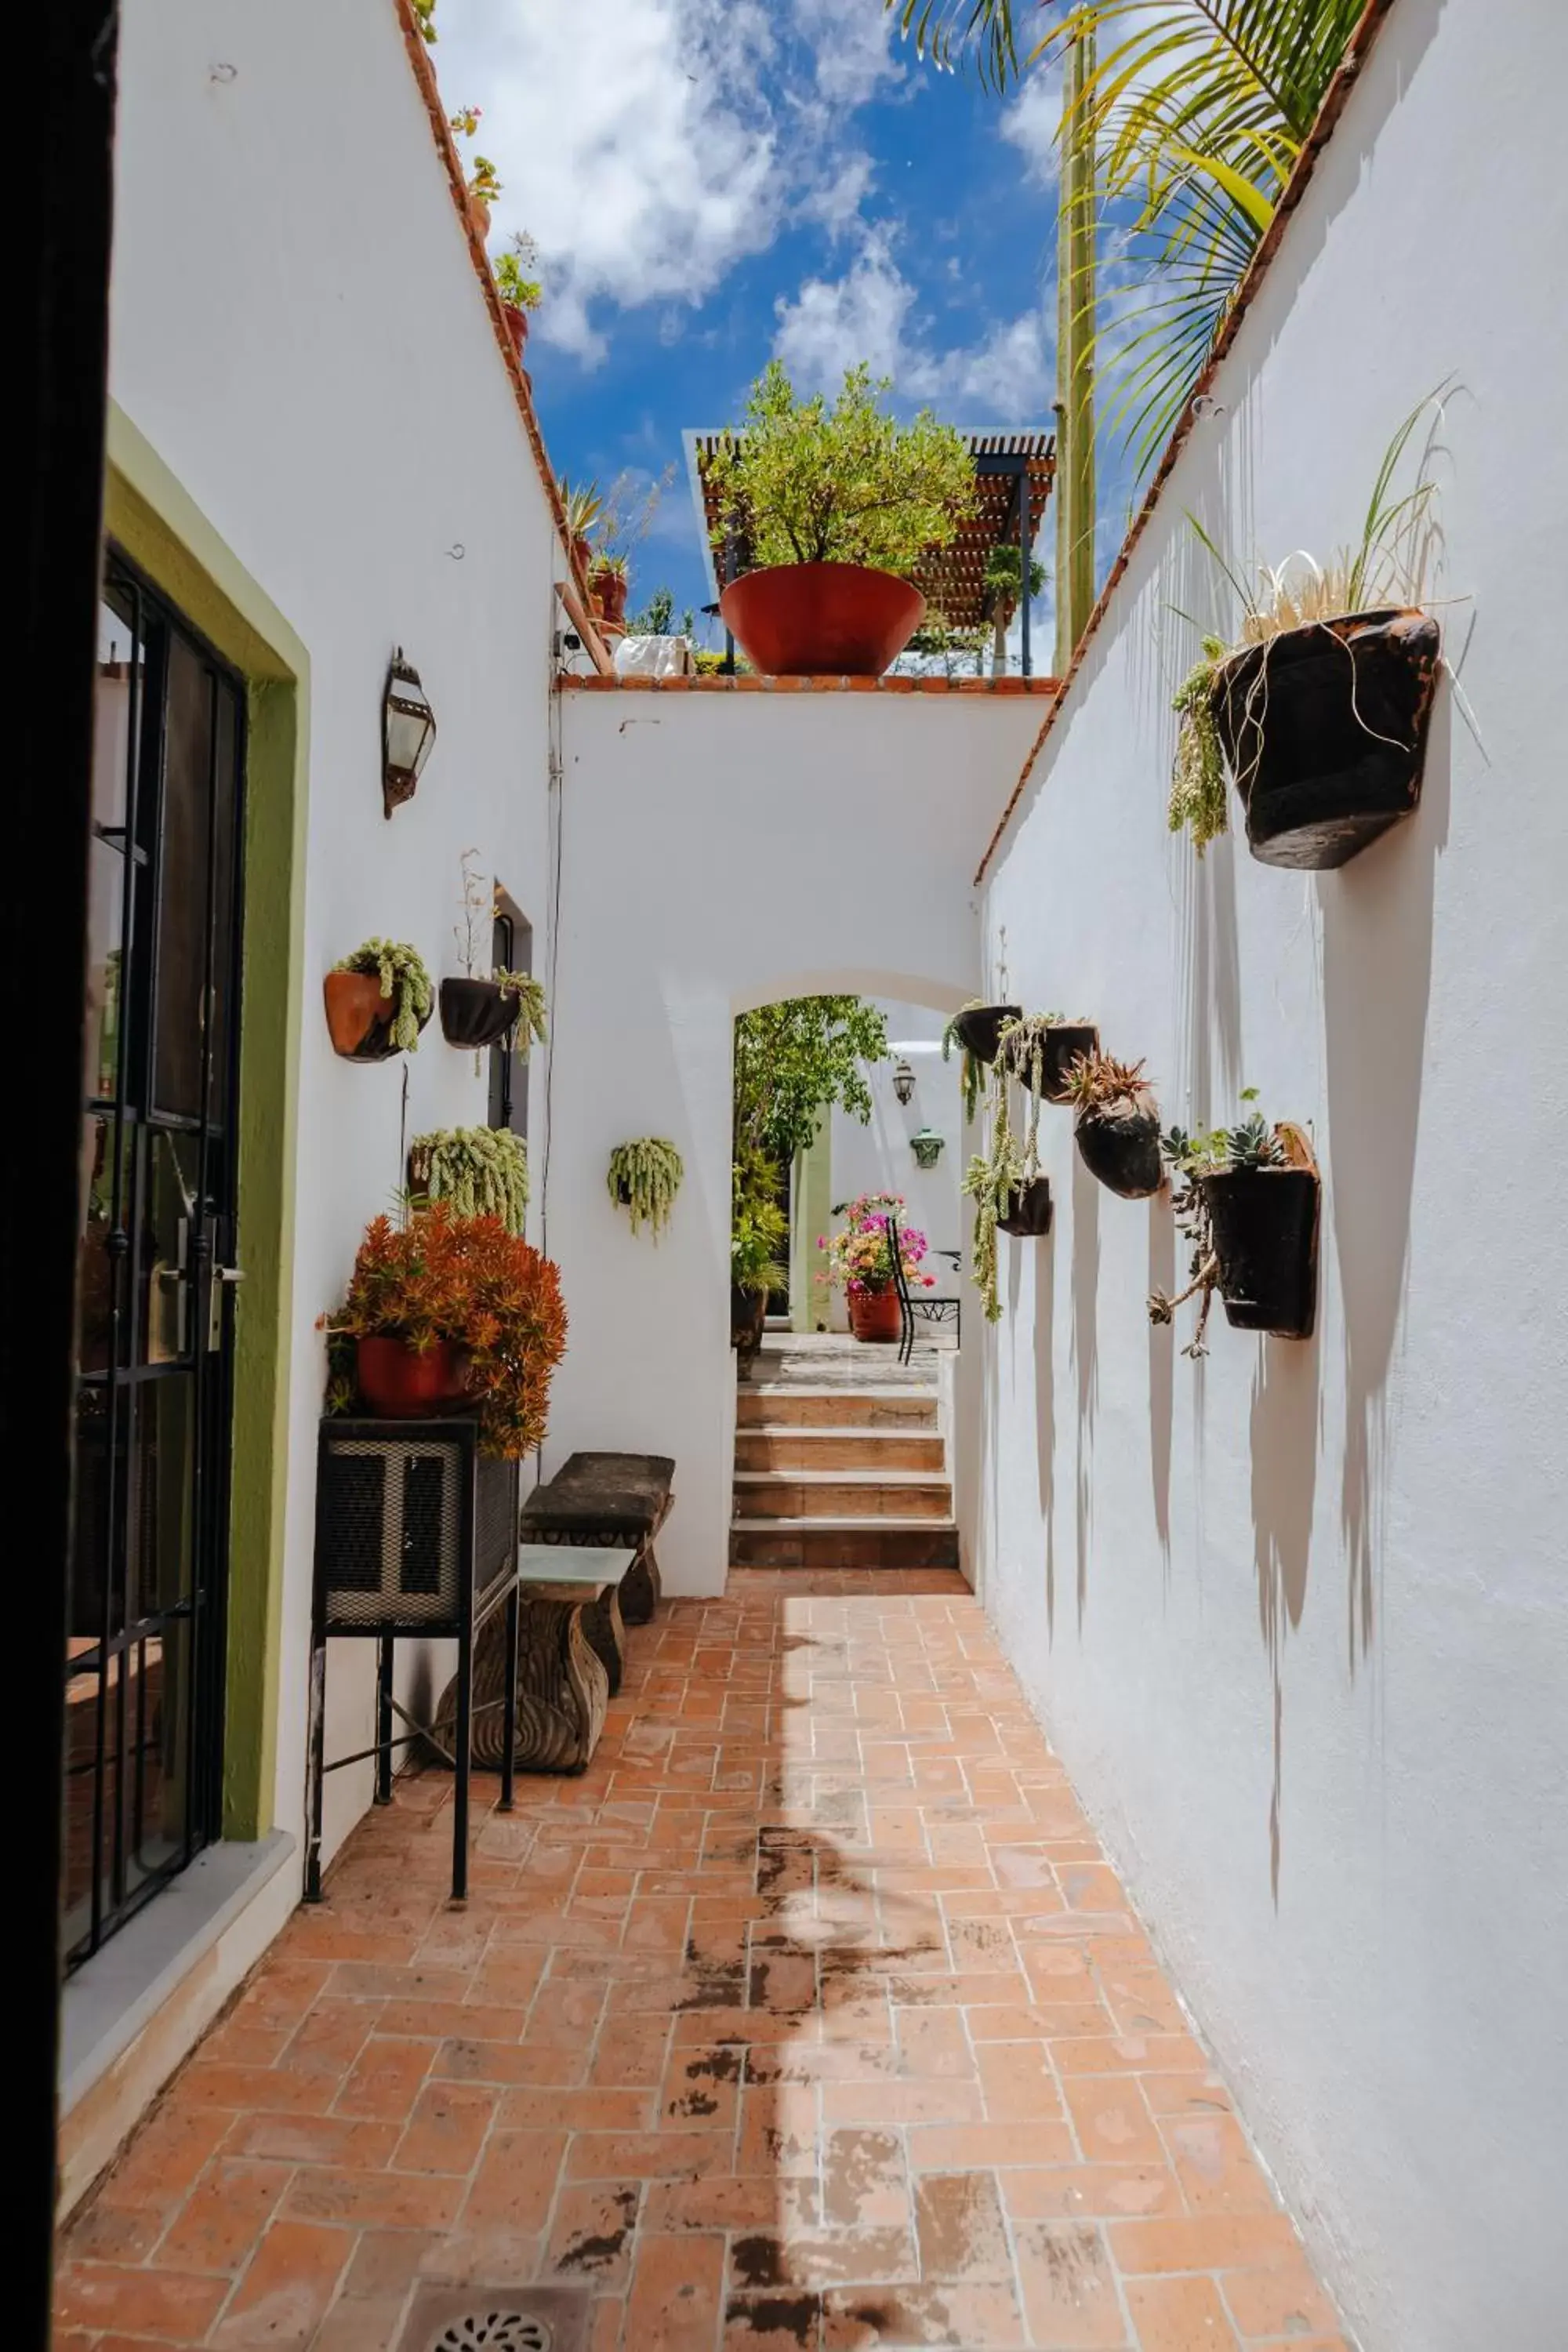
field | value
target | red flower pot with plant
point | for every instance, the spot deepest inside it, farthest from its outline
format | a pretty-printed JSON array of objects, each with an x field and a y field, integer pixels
[
  {"x": 450, "y": 1312},
  {"x": 860, "y": 1263}
]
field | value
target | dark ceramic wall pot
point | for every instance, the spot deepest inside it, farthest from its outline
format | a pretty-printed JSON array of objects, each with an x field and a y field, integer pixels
[
  {"x": 1121, "y": 1146},
  {"x": 1264, "y": 1225},
  {"x": 475, "y": 1013},
  {"x": 1059, "y": 1049},
  {"x": 979, "y": 1031},
  {"x": 1028, "y": 1210},
  {"x": 1324, "y": 730}
]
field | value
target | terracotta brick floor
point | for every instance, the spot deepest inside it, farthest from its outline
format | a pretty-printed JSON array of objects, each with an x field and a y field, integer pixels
[{"x": 811, "y": 2016}]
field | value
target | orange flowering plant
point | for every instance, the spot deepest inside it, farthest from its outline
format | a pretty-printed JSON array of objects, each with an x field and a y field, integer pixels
[{"x": 466, "y": 1280}]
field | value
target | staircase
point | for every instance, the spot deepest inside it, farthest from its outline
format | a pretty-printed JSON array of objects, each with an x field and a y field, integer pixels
[{"x": 841, "y": 1467}]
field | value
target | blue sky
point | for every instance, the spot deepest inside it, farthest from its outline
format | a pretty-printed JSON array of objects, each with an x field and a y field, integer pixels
[{"x": 716, "y": 182}]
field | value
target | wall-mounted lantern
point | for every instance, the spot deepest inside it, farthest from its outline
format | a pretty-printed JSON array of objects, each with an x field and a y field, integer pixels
[
  {"x": 903, "y": 1080},
  {"x": 407, "y": 732},
  {"x": 927, "y": 1147}
]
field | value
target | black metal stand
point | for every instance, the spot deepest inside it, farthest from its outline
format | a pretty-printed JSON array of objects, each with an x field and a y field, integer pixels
[{"x": 415, "y": 1535}]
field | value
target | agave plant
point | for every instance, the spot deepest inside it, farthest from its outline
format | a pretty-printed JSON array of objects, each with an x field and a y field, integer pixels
[{"x": 1197, "y": 110}]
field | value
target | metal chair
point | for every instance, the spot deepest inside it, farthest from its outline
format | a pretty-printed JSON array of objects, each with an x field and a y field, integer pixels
[{"x": 933, "y": 1310}]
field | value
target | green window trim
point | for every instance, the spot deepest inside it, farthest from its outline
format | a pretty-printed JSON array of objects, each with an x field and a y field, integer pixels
[{"x": 153, "y": 518}]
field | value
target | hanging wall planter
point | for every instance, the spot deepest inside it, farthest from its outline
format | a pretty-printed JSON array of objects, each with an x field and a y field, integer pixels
[
  {"x": 1324, "y": 731},
  {"x": 1041, "y": 1050},
  {"x": 1117, "y": 1128},
  {"x": 1249, "y": 1206},
  {"x": 978, "y": 1028},
  {"x": 1028, "y": 1211},
  {"x": 378, "y": 1000},
  {"x": 644, "y": 1177},
  {"x": 478, "y": 1012}
]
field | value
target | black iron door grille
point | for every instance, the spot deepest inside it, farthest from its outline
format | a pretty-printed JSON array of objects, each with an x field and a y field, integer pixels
[{"x": 144, "y": 1660}]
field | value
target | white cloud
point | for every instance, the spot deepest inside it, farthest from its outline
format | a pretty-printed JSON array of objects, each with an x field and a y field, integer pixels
[
  {"x": 649, "y": 145},
  {"x": 850, "y": 39},
  {"x": 1031, "y": 123},
  {"x": 869, "y": 313}
]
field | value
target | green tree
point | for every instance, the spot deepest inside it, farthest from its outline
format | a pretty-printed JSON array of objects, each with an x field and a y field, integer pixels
[
  {"x": 793, "y": 1062},
  {"x": 1198, "y": 109},
  {"x": 804, "y": 483}
]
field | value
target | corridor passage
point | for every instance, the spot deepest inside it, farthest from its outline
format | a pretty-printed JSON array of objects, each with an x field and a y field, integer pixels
[{"x": 810, "y": 2019}]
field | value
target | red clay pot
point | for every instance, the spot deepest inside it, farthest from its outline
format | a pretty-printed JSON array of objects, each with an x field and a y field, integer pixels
[
  {"x": 358, "y": 1016},
  {"x": 515, "y": 327},
  {"x": 398, "y": 1382},
  {"x": 822, "y": 620},
  {"x": 611, "y": 590},
  {"x": 875, "y": 1314}
]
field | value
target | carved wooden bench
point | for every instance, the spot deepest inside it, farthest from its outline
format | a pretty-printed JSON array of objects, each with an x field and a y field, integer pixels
[
  {"x": 608, "y": 1499},
  {"x": 570, "y": 1655}
]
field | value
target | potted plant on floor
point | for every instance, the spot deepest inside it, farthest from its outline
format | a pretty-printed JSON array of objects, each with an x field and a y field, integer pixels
[
  {"x": 1319, "y": 702},
  {"x": 476, "y": 1172},
  {"x": 1248, "y": 1204},
  {"x": 1117, "y": 1126},
  {"x": 477, "y": 1013},
  {"x": 860, "y": 1264},
  {"x": 759, "y": 1235},
  {"x": 1040, "y": 1048},
  {"x": 644, "y": 1177},
  {"x": 450, "y": 1313},
  {"x": 519, "y": 287},
  {"x": 378, "y": 1000},
  {"x": 834, "y": 509}
]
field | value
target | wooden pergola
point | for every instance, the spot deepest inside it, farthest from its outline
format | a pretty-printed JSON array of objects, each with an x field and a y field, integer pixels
[{"x": 1014, "y": 473}]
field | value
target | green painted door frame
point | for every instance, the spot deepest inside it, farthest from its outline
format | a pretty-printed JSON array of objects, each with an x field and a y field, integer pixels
[
  {"x": 149, "y": 514},
  {"x": 812, "y": 1199}
]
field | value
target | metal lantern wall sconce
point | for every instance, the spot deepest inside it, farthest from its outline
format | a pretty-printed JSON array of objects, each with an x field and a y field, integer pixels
[
  {"x": 903, "y": 1080},
  {"x": 927, "y": 1147},
  {"x": 407, "y": 732}
]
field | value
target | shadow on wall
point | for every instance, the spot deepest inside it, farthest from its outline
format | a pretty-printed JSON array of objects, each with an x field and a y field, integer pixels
[
  {"x": 1045, "y": 1257},
  {"x": 1161, "y": 1365},
  {"x": 1085, "y": 1356},
  {"x": 1284, "y": 1446},
  {"x": 1378, "y": 918}
]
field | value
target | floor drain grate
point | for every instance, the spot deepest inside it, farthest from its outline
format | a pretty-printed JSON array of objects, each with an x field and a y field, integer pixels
[{"x": 495, "y": 2319}]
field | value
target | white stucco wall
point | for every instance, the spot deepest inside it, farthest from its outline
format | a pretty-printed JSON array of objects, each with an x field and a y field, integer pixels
[
  {"x": 718, "y": 852},
  {"x": 877, "y": 1158},
  {"x": 297, "y": 330},
  {"x": 1297, "y": 1617}
]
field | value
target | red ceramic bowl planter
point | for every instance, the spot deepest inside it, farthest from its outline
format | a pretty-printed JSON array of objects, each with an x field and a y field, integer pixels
[
  {"x": 398, "y": 1382},
  {"x": 821, "y": 620}
]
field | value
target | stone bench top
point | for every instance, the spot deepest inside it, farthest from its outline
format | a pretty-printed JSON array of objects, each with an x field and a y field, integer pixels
[
  {"x": 547, "y": 1564},
  {"x": 629, "y": 1491}
]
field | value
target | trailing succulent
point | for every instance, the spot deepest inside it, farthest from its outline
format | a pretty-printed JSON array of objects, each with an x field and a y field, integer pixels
[
  {"x": 644, "y": 1177},
  {"x": 972, "y": 1069},
  {"x": 478, "y": 1171},
  {"x": 1251, "y": 1145},
  {"x": 1197, "y": 801},
  {"x": 994, "y": 1178},
  {"x": 404, "y": 982}
]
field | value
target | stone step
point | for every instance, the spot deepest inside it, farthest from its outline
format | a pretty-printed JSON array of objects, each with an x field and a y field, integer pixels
[
  {"x": 774, "y": 1446},
  {"x": 765, "y": 1403},
  {"x": 867, "y": 1367},
  {"x": 842, "y": 1495},
  {"x": 842, "y": 1543}
]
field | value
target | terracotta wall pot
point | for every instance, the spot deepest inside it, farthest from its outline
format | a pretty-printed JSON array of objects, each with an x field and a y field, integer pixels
[
  {"x": 1028, "y": 1210},
  {"x": 1060, "y": 1049},
  {"x": 1120, "y": 1145},
  {"x": 398, "y": 1382},
  {"x": 822, "y": 620},
  {"x": 515, "y": 327},
  {"x": 1263, "y": 1223},
  {"x": 359, "y": 1018},
  {"x": 475, "y": 1013},
  {"x": 1305, "y": 721},
  {"x": 875, "y": 1314},
  {"x": 979, "y": 1031}
]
